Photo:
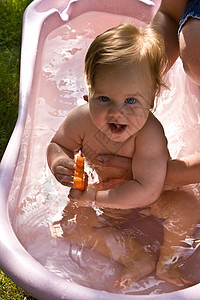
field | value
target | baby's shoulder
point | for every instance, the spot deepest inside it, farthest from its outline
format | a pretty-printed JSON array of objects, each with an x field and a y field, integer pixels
[
  {"x": 153, "y": 125},
  {"x": 80, "y": 110},
  {"x": 152, "y": 137},
  {"x": 77, "y": 120},
  {"x": 152, "y": 131},
  {"x": 79, "y": 113}
]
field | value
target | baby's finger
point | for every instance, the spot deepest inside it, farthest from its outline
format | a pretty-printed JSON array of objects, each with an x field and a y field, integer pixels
[
  {"x": 74, "y": 194},
  {"x": 65, "y": 171},
  {"x": 65, "y": 180}
]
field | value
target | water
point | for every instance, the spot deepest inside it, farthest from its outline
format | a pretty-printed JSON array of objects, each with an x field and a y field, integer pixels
[{"x": 37, "y": 199}]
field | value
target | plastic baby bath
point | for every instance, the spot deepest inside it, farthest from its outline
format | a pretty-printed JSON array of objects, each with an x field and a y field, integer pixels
[{"x": 56, "y": 34}]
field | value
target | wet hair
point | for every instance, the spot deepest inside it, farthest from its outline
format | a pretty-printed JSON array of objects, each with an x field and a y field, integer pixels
[{"x": 124, "y": 45}]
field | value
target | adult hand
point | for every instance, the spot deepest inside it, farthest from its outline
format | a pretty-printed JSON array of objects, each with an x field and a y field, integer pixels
[
  {"x": 179, "y": 172},
  {"x": 124, "y": 163}
]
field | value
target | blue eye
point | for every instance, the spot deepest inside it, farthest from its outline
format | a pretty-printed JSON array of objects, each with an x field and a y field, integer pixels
[
  {"x": 104, "y": 99},
  {"x": 130, "y": 100}
]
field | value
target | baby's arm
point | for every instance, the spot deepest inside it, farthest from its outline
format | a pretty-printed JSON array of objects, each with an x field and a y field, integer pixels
[
  {"x": 65, "y": 143},
  {"x": 61, "y": 163},
  {"x": 149, "y": 169}
]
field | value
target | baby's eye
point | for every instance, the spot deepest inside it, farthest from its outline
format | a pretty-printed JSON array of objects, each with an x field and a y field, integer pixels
[
  {"x": 104, "y": 99},
  {"x": 130, "y": 100}
]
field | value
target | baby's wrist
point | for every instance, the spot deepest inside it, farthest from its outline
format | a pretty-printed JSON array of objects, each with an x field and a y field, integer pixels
[
  {"x": 98, "y": 197},
  {"x": 94, "y": 196},
  {"x": 90, "y": 194}
]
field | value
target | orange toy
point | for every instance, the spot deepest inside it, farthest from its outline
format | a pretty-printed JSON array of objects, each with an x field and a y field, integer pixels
[{"x": 80, "y": 177}]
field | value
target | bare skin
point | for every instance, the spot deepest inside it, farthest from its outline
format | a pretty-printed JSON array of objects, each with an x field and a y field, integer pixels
[
  {"x": 167, "y": 207},
  {"x": 110, "y": 242},
  {"x": 180, "y": 172},
  {"x": 180, "y": 211},
  {"x": 187, "y": 169},
  {"x": 135, "y": 254},
  {"x": 117, "y": 120},
  {"x": 187, "y": 45},
  {"x": 142, "y": 131},
  {"x": 177, "y": 227}
]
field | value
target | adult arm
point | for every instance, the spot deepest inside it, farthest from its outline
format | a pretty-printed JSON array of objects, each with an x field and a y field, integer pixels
[
  {"x": 183, "y": 171},
  {"x": 180, "y": 172},
  {"x": 166, "y": 22}
]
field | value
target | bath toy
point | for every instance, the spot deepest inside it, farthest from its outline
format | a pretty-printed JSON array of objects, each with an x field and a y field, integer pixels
[{"x": 80, "y": 177}]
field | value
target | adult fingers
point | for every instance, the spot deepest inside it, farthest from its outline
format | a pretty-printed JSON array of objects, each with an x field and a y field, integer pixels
[{"x": 124, "y": 163}]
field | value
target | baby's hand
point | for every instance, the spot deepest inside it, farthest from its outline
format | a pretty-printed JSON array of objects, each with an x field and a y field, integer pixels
[
  {"x": 85, "y": 198},
  {"x": 63, "y": 169}
]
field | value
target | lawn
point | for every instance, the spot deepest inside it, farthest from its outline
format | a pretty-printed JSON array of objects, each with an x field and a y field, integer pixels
[
  {"x": 11, "y": 12},
  {"x": 9, "y": 291}
]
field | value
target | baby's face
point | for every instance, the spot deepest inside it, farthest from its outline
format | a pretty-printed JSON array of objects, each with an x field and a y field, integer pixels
[{"x": 120, "y": 102}]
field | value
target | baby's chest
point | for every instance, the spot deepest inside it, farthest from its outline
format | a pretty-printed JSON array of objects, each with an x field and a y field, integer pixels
[{"x": 95, "y": 144}]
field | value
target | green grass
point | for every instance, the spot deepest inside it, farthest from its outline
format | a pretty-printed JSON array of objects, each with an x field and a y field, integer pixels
[
  {"x": 11, "y": 12},
  {"x": 9, "y": 291}
]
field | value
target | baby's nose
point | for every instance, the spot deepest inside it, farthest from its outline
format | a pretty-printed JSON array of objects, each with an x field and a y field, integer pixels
[{"x": 116, "y": 110}]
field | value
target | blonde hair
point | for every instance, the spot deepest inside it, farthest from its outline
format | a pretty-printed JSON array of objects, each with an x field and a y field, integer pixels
[{"x": 124, "y": 45}]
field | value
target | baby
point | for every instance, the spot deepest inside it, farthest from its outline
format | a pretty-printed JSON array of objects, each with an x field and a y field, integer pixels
[{"x": 123, "y": 68}]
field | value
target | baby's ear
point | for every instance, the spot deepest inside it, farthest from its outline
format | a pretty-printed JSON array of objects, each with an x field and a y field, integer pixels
[{"x": 85, "y": 97}]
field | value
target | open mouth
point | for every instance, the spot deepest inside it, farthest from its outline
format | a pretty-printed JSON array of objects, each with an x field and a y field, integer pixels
[{"x": 117, "y": 128}]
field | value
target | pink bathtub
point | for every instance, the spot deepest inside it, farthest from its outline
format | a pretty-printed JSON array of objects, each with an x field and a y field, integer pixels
[{"x": 56, "y": 34}]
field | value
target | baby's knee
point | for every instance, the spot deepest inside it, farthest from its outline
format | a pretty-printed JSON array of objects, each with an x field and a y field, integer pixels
[
  {"x": 186, "y": 204},
  {"x": 182, "y": 203},
  {"x": 189, "y": 41}
]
